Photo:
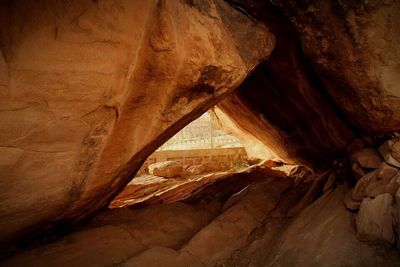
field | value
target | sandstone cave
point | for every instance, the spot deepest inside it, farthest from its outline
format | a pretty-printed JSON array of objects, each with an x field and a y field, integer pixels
[{"x": 92, "y": 90}]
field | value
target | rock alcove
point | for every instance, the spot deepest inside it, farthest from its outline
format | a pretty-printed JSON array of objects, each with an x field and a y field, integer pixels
[{"x": 89, "y": 89}]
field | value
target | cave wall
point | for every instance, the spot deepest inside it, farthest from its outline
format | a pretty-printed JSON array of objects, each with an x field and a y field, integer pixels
[
  {"x": 333, "y": 75},
  {"x": 255, "y": 148},
  {"x": 354, "y": 48},
  {"x": 90, "y": 88},
  {"x": 284, "y": 104}
]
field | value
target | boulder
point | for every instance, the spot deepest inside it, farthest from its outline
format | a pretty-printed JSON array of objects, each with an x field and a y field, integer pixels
[
  {"x": 383, "y": 180},
  {"x": 358, "y": 192},
  {"x": 195, "y": 169},
  {"x": 166, "y": 169},
  {"x": 386, "y": 152},
  {"x": 395, "y": 149},
  {"x": 357, "y": 171},
  {"x": 87, "y": 97},
  {"x": 367, "y": 158},
  {"x": 374, "y": 220},
  {"x": 386, "y": 171},
  {"x": 350, "y": 203},
  {"x": 212, "y": 166},
  {"x": 380, "y": 186},
  {"x": 397, "y": 218},
  {"x": 322, "y": 235}
]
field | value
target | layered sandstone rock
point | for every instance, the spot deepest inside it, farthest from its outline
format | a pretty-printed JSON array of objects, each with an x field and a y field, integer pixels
[
  {"x": 254, "y": 147},
  {"x": 353, "y": 46},
  {"x": 283, "y": 104},
  {"x": 128, "y": 237},
  {"x": 90, "y": 88},
  {"x": 323, "y": 235}
]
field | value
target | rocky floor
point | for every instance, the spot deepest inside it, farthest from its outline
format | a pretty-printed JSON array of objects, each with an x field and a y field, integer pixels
[
  {"x": 151, "y": 189},
  {"x": 241, "y": 219}
]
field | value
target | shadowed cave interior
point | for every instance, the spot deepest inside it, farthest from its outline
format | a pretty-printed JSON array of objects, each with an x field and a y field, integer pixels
[{"x": 200, "y": 133}]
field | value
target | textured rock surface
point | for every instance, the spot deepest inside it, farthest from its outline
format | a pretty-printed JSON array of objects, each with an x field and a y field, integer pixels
[
  {"x": 386, "y": 151},
  {"x": 385, "y": 179},
  {"x": 150, "y": 190},
  {"x": 166, "y": 169},
  {"x": 397, "y": 218},
  {"x": 254, "y": 147},
  {"x": 283, "y": 105},
  {"x": 395, "y": 148},
  {"x": 374, "y": 220},
  {"x": 353, "y": 46},
  {"x": 181, "y": 234},
  {"x": 90, "y": 88},
  {"x": 323, "y": 235},
  {"x": 118, "y": 236},
  {"x": 357, "y": 171},
  {"x": 350, "y": 203},
  {"x": 195, "y": 169},
  {"x": 230, "y": 230},
  {"x": 228, "y": 223},
  {"x": 358, "y": 193},
  {"x": 367, "y": 158}
]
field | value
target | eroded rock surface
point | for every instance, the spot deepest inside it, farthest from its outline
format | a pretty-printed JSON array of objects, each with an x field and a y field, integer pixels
[
  {"x": 90, "y": 88},
  {"x": 166, "y": 169},
  {"x": 192, "y": 234},
  {"x": 353, "y": 46},
  {"x": 283, "y": 104},
  {"x": 323, "y": 235},
  {"x": 375, "y": 220}
]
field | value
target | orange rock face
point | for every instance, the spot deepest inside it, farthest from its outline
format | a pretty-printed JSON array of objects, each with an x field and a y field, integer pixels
[{"x": 90, "y": 88}]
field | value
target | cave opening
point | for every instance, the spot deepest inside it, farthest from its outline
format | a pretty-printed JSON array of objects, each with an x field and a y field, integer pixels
[{"x": 202, "y": 152}]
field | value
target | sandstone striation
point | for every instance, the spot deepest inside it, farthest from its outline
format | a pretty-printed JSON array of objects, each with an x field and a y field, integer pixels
[{"x": 89, "y": 89}]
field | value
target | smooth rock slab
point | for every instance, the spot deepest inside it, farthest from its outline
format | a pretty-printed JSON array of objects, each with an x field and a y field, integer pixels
[
  {"x": 103, "y": 246},
  {"x": 374, "y": 220}
]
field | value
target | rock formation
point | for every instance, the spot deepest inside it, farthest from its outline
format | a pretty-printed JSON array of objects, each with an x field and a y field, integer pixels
[{"x": 89, "y": 89}]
